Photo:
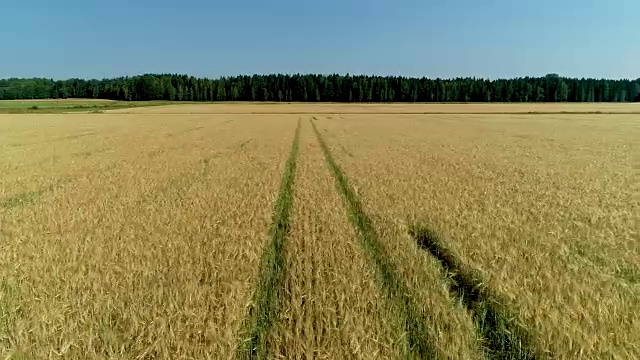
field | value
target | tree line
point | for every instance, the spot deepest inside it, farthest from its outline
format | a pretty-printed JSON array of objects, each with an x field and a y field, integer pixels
[{"x": 326, "y": 88}]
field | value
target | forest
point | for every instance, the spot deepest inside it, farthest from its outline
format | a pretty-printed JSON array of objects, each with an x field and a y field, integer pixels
[{"x": 326, "y": 88}]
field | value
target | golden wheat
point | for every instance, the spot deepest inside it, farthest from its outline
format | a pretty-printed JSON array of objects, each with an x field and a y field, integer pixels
[
  {"x": 542, "y": 206},
  {"x": 370, "y": 231},
  {"x": 155, "y": 258},
  {"x": 331, "y": 306}
]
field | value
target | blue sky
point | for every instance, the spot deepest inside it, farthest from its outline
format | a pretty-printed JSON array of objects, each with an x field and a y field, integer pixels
[{"x": 489, "y": 38}]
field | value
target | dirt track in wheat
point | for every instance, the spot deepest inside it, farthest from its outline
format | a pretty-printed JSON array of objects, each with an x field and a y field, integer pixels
[{"x": 320, "y": 231}]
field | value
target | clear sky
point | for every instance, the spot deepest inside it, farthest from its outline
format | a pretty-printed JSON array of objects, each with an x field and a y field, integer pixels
[{"x": 443, "y": 38}]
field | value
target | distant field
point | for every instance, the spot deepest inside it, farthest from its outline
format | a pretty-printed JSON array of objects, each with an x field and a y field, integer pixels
[
  {"x": 417, "y": 108},
  {"x": 69, "y": 105},
  {"x": 321, "y": 230},
  {"x": 161, "y": 107}
]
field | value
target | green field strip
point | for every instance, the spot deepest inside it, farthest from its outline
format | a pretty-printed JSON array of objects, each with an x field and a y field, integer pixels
[
  {"x": 30, "y": 197},
  {"x": 43, "y": 107},
  {"x": 24, "y": 198},
  {"x": 527, "y": 113},
  {"x": 272, "y": 266},
  {"x": 71, "y": 137},
  {"x": 410, "y": 316},
  {"x": 503, "y": 336},
  {"x": 185, "y": 131}
]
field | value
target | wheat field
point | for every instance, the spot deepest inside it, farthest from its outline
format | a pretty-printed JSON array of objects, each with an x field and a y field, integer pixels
[
  {"x": 545, "y": 208},
  {"x": 333, "y": 231}
]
